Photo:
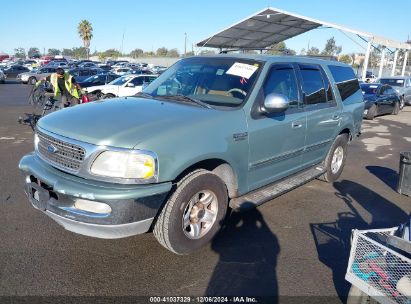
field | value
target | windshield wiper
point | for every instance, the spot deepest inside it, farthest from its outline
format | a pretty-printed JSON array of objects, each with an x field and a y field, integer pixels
[{"x": 180, "y": 97}]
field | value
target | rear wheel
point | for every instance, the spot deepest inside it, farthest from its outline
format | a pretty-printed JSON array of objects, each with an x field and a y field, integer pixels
[
  {"x": 193, "y": 214},
  {"x": 372, "y": 112},
  {"x": 32, "y": 80},
  {"x": 335, "y": 160},
  {"x": 107, "y": 96},
  {"x": 396, "y": 109}
]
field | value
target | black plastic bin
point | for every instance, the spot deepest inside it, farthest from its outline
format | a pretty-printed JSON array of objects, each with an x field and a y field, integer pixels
[{"x": 404, "y": 180}]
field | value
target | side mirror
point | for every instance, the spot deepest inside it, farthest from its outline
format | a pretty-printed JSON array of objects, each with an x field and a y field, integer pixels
[
  {"x": 274, "y": 103},
  {"x": 130, "y": 85}
]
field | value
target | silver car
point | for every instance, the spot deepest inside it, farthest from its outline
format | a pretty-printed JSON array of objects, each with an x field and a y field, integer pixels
[
  {"x": 401, "y": 84},
  {"x": 34, "y": 76}
]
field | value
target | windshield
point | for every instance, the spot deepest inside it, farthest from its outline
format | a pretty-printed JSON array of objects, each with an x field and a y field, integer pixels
[
  {"x": 120, "y": 81},
  {"x": 369, "y": 88},
  {"x": 214, "y": 81},
  {"x": 393, "y": 82}
]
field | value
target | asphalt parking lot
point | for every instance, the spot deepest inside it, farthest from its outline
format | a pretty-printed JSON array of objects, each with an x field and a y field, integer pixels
[{"x": 296, "y": 245}]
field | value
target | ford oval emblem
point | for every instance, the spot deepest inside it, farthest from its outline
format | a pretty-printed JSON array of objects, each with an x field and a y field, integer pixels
[{"x": 51, "y": 149}]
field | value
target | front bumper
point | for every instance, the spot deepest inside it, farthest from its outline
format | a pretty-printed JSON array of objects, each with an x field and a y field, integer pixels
[{"x": 132, "y": 207}]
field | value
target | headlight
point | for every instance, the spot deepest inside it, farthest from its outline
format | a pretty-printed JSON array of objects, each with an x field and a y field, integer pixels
[
  {"x": 36, "y": 141},
  {"x": 130, "y": 165}
]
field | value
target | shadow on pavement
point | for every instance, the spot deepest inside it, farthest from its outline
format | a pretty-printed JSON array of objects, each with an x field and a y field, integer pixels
[
  {"x": 248, "y": 253},
  {"x": 333, "y": 239},
  {"x": 387, "y": 175}
]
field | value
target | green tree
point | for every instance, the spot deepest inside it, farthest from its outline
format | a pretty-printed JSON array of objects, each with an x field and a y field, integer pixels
[
  {"x": 173, "y": 53},
  {"x": 85, "y": 30},
  {"x": 191, "y": 53},
  {"x": 67, "y": 52},
  {"x": 136, "y": 53},
  {"x": 331, "y": 49},
  {"x": 277, "y": 49},
  {"x": 53, "y": 52},
  {"x": 346, "y": 59},
  {"x": 79, "y": 52},
  {"x": 34, "y": 52},
  {"x": 313, "y": 51},
  {"x": 162, "y": 52},
  {"x": 20, "y": 52},
  {"x": 149, "y": 54}
]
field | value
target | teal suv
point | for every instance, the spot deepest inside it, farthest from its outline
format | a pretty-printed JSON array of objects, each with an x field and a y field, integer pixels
[{"x": 211, "y": 133}]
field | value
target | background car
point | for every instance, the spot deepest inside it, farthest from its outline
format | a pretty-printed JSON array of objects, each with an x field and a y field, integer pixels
[
  {"x": 121, "y": 71},
  {"x": 127, "y": 85},
  {"x": 402, "y": 85},
  {"x": 81, "y": 74},
  {"x": 379, "y": 99},
  {"x": 97, "y": 80},
  {"x": 2, "y": 77},
  {"x": 33, "y": 76},
  {"x": 12, "y": 71}
]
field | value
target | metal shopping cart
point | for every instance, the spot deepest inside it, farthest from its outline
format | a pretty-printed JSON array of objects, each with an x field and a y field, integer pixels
[{"x": 379, "y": 267}]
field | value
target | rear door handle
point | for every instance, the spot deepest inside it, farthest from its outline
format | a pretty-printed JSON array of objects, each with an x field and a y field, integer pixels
[{"x": 296, "y": 124}]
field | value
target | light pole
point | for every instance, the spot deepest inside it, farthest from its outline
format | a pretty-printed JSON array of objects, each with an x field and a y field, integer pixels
[{"x": 185, "y": 44}]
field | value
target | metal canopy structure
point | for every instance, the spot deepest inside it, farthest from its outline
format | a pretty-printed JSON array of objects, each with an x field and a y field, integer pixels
[{"x": 271, "y": 25}]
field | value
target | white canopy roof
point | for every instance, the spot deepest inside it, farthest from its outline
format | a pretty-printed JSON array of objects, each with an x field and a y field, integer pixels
[{"x": 272, "y": 25}]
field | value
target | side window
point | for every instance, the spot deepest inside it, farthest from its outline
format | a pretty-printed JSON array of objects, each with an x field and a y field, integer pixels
[
  {"x": 345, "y": 79},
  {"x": 389, "y": 91},
  {"x": 281, "y": 80},
  {"x": 313, "y": 85},
  {"x": 138, "y": 81},
  {"x": 383, "y": 90}
]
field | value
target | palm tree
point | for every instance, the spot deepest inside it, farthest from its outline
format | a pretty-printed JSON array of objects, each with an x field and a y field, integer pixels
[{"x": 85, "y": 30}]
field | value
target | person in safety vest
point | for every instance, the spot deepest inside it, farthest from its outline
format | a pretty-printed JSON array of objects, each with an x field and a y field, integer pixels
[{"x": 64, "y": 87}]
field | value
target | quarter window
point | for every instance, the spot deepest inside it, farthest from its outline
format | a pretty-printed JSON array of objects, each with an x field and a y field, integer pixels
[
  {"x": 345, "y": 79},
  {"x": 281, "y": 80},
  {"x": 313, "y": 85}
]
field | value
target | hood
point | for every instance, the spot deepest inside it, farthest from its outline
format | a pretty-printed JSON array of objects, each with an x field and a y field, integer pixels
[{"x": 122, "y": 122}]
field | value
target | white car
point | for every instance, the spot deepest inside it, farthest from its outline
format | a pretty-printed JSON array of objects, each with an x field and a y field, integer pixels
[
  {"x": 121, "y": 71},
  {"x": 127, "y": 85}
]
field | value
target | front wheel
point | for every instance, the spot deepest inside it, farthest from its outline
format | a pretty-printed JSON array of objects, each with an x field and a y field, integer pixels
[
  {"x": 193, "y": 214},
  {"x": 32, "y": 80},
  {"x": 372, "y": 112},
  {"x": 402, "y": 102},
  {"x": 396, "y": 109},
  {"x": 335, "y": 160}
]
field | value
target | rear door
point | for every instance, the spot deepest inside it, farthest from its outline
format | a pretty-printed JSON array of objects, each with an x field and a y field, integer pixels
[
  {"x": 276, "y": 141},
  {"x": 323, "y": 114}
]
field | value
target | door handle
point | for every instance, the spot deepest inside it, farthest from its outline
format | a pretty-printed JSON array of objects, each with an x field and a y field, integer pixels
[
  {"x": 296, "y": 124},
  {"x": 336, "y": 116}
]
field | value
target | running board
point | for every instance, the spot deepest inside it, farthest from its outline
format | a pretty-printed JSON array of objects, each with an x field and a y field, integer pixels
[{"x": 271, "y": 191}]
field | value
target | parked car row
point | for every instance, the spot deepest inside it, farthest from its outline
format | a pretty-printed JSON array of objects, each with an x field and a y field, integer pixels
[{"x": 386, "y": 95}]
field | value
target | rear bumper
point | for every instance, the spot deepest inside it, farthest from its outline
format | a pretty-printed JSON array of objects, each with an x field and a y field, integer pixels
[{"x": 129, "y": 209}]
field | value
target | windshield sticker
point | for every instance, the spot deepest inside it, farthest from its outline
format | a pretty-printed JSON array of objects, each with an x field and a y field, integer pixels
[
  {"x": 242, "y": 70},
  {"x": 220, "y": 72},
  {"x": 400, "y": 80}
]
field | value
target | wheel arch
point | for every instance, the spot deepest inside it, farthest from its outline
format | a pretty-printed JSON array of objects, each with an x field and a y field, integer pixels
[{"x": 219, "y": 167}]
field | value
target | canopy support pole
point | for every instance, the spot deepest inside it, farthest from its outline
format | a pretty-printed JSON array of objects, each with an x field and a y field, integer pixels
[
  {"x": 405, "y": 63},
  {"x": 366, "y": 60},
  {"x": 394, "y": 65},
  {"x": 381, "y": 62}
]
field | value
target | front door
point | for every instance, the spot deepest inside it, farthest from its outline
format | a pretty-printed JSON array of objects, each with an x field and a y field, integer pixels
[
  {"x": 323, "y": 114},
  {"x": 276, "y": 140}
]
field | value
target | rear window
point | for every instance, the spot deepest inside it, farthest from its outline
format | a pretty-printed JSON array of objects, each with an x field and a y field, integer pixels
[
  {"x": 393, "y": 82},
  {"x": 345, "y": 80}
]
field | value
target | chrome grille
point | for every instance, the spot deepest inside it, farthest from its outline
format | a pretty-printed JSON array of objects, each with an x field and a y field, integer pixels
[{"x": 61, "y": 154}]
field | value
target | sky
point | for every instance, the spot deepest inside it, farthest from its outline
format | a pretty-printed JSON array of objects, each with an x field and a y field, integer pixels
[{"x": 156, "y": 23}]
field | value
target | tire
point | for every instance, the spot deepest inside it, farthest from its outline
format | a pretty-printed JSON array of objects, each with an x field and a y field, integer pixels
[
  {"x": 336, "y": 158},
  {"x": 32, "y": 80},
  {"x": 372, "y": 112},
  {"x": 107, "y": 96},
  {"x": 175, "y": 226},
  {"x": 357, "y": 296},
  {"x": 396, "y": 109},
  {"x": 402, "y": 102}
]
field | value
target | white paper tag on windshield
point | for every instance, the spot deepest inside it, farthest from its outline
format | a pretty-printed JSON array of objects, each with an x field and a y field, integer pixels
[
  {"x": 400, "y": 80},
  {"x": 242, "y": 70}
]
